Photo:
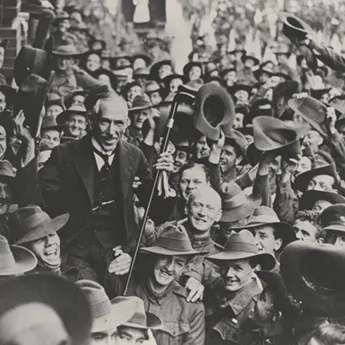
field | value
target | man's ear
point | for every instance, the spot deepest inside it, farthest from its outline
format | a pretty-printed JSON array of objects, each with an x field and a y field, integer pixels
[
  {"x": 238, "y": 160},
  {"x": 219, "y": 215},
  {"x": 278, "y": 244}
]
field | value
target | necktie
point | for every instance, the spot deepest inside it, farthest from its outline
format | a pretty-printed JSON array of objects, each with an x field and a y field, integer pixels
[{"x": 105, "y": 159}]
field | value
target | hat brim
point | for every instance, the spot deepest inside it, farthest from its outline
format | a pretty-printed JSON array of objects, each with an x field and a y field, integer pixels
[
  {"x": 61, "y": 295},
  {"x": 309, "y": 198},
  {"x": 47, "y": 228},
  {"x": 152, "y": 321},
  {"x": 62, "y": 117},
  {"x": 144, "y": 107},
  {"x": 335, "y": 227},
  {"x": 301, "y": 30},
  {"x": 267, "y": 261},
  {"x": 168, "y": 252},
  {"x": 25, "y": 261}
]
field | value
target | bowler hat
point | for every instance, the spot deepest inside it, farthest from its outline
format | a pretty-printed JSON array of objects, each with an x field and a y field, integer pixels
[
  {"x": 236, "y": 204},
  {"x": 309, "y": 197},
  {"x": 240, "y": 246},
  {"x": 312, "y": 111},
  {"x": 63, "y": 296},
  {"x": 214, "y": 111},
  {"x": 273, "y": 134},
  {"x": 106, "y": 314},
  {"x": 141, "y": 318},
  {"x": 6, "y": 170},
  {"x": 30, "y": 223},
  {"x": 49, "y": 123},
  {"x": 156, "y": 66},
  {"x": 294, "y": 27},
  {"x": 74, "y": 109},
  {"x": 314, "y": 274},
  {"x": 144, "y": 57},
  {"x": 173, "y": 240},
  {"x": 141, "y": 103},
  {"x": 67, "y": 50},
  {"x": 333, "y": 218},
  {"x": 15, "y": 260},
  {"x": 264, "y": 215},
  {"x": 167, "y": 80},
  {"x": 32, "y": 60},
  {"x": 187, "y": 67},
  {"x": 302, "y": 180},
  {"x": 31, "y": 97}
]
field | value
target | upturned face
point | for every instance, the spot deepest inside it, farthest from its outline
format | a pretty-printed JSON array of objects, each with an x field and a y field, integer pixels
[
  {"x": 227, "y": 159},
  {"x": 47, "y": 250}
]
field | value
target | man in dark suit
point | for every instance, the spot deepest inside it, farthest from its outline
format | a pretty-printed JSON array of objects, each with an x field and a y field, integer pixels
[{"x": 92, "y": 179}]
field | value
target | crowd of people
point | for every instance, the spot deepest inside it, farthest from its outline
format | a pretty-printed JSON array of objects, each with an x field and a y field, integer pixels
[{"x": 242, "y": 237}]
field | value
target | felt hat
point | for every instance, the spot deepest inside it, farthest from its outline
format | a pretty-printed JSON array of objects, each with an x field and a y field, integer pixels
[
  {"x": 67, "y": 50},
  {"x": 10, "y": 94},
  {"x": 6, "y": 170},
  {"x": 156, "y": 66},
  {"x": 167, "y": 80},
  {"x": 52, "y": 291},
  {"x": 309, "y": 197},
  {"x": 144, "y": 57},
  {"x": 314, "y": 274},
  {"x": 31, "y": 97},
  {"x": 240, "y": 246},
  {"x": 152, "y": 86},
  {"x": 32, "y": 60},
  {"x": 285, "y": 89},
  {"x": 15, "y": 260},
  {"x": 230, "y": 68},
  {"x": 141, "y": 319},
  {"x": 106, "y": 314},
  {"x": 30, "y": 223},
  {"x": 49, "y": 123},
  {"x": 333, "y": 218},
  {"x": 250, "y": 57},
  {"x": 61, "y": 15},
  {"x": 273, "y": 134},
  {"x": 240, "y": 86},
  {"x": 194, "y": 86},
  {"x": 261, "y": 107},
  {"x": 236, "y": 204},
  {"x": 141, "y": 103},
  {"x": 264, "y": 68},
  {"x": 312, "y": 111},
  {"x": 302, "y": 180},
  {"x": 214, "y": 111},
  {"x": 264, "y": 215},
  {"x": 74, "y": 109},
  {"x": 188, "y": 66},
  {"x": 294, "y": 27},
  {"x": 173, "y": 241},
  {"x": 143, "y": 73}
]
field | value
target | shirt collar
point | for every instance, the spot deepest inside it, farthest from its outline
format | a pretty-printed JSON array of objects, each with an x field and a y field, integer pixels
[{"x": 100, "y": 149}]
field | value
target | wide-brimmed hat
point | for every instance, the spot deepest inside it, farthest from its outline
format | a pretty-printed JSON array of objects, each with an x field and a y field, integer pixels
[
  {"x": 236, "y": 204},
  {"x": 32, "y": 60},
  {"x": 106, "y": 314},
  {"x": 141, "y": 319},
  {"x": 315, "y": 276},
  {"x": 263, "y": 69},
  {"x": 141, "y": 102},
  {"x": 250, "y": 57},
  {"x": 156, "y": 66},
  {"x": 49, "y": 123},
  {"x": 231, "y": 68},
  {"x": 240, "y": 246},
  {"x": 188, "y": 66},
  {"x": 294, "y": 27},
  {"x": 264, "y": 215},
  {"x": 6, "y": 170},
  {"x": 31, "y": 97},
  {"x": 167, "y": 80},
  {"x": 273, "y": 134},
  {"x": 68, "y": 50},
  {"x": 142, "y": 56},
  {"x": 312, "y": 111},
  {"x": 53, "y": 291},
  {"x": 74, "y": 109},
  {"x": 30, "y": 223},
  {"x": 302, "y": 180},
  {"x": 318, "y": 93},
  {"x": 309, "y": 197},
  {"x": 173, "y": 240},
  {"x": 238, "y": 87},
  {"x": 152, "y": 86},
  {"x": 15, "y": 260},
  {"x": 333, "y": 218},
  {"x": 214, "y": 111}
]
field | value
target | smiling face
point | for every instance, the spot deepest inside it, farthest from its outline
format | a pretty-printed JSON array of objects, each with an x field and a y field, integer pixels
[
  {"x": 93, "y": 62},
  {"x": 166, "y": 270},
  {"x": 201, "y": 148},
  {"x": 47, "y": 250},
  {"x": 236, "y": 274},
  {"x": 76, "y": 125},
  {"x": 228, "y": 159}
]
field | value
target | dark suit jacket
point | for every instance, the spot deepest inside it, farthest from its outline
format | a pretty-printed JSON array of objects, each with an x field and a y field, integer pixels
[{"x": 66, "y": 184}]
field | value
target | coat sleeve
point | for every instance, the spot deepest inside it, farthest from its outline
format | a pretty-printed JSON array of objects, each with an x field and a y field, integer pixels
[
  {"x": 86, "y": 81},
  {"x": 329, "y": 57},
  {"x": 196, "y": 335}
]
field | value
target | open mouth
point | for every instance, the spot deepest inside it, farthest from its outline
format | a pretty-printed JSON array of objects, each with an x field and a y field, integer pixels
[
  {"x": 165, "y": 274},
  {"x": 52, "y": 251}
]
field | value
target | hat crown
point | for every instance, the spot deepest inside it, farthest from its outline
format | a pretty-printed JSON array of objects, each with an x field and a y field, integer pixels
[
  {"x": 139, "y": 317},
  {"x": 7, "y": 260},
  {"x": 152, "y": 86},
  {"x": 6, "y": 169},
  {"x": 333, "y": 215},
  {"x": 262, "y": 215},
  {"x": 97, "y": 298},
  {"x": 242, "y": 241},
  {"x": 49, "y": 121},
  {"x": 142, "y": 101},
  {"x": 27, "y": 219},
  {"x": 77, "y": 107},
  {"x": 174, "y": 238},
  {"x": 66, "y": 49}
]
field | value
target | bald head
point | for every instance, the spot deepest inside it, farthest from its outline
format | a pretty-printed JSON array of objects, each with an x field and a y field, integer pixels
[
  {"x": 208, "y": 194},
  {"x": 111, "y": 102}
]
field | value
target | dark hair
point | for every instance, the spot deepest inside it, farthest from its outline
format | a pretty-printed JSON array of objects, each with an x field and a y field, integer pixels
[
  {"x": 238, "y": 149},
  {"x": 313, "y": 218}
]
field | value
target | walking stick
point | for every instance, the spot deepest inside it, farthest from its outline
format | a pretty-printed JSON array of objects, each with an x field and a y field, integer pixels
[{"x": 178, "y": 98}]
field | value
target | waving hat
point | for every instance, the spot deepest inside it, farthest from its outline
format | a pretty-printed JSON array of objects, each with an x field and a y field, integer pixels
[
  {"x": 315, "y": 276},
  {"x": 214, "y": 111},
  {"x": 294, "y": 27}
]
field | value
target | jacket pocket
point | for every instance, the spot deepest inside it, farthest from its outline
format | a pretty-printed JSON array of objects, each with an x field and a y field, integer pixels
[
  {"x": 173, "y": 332},
  {"x": 228, "y": 330}
]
